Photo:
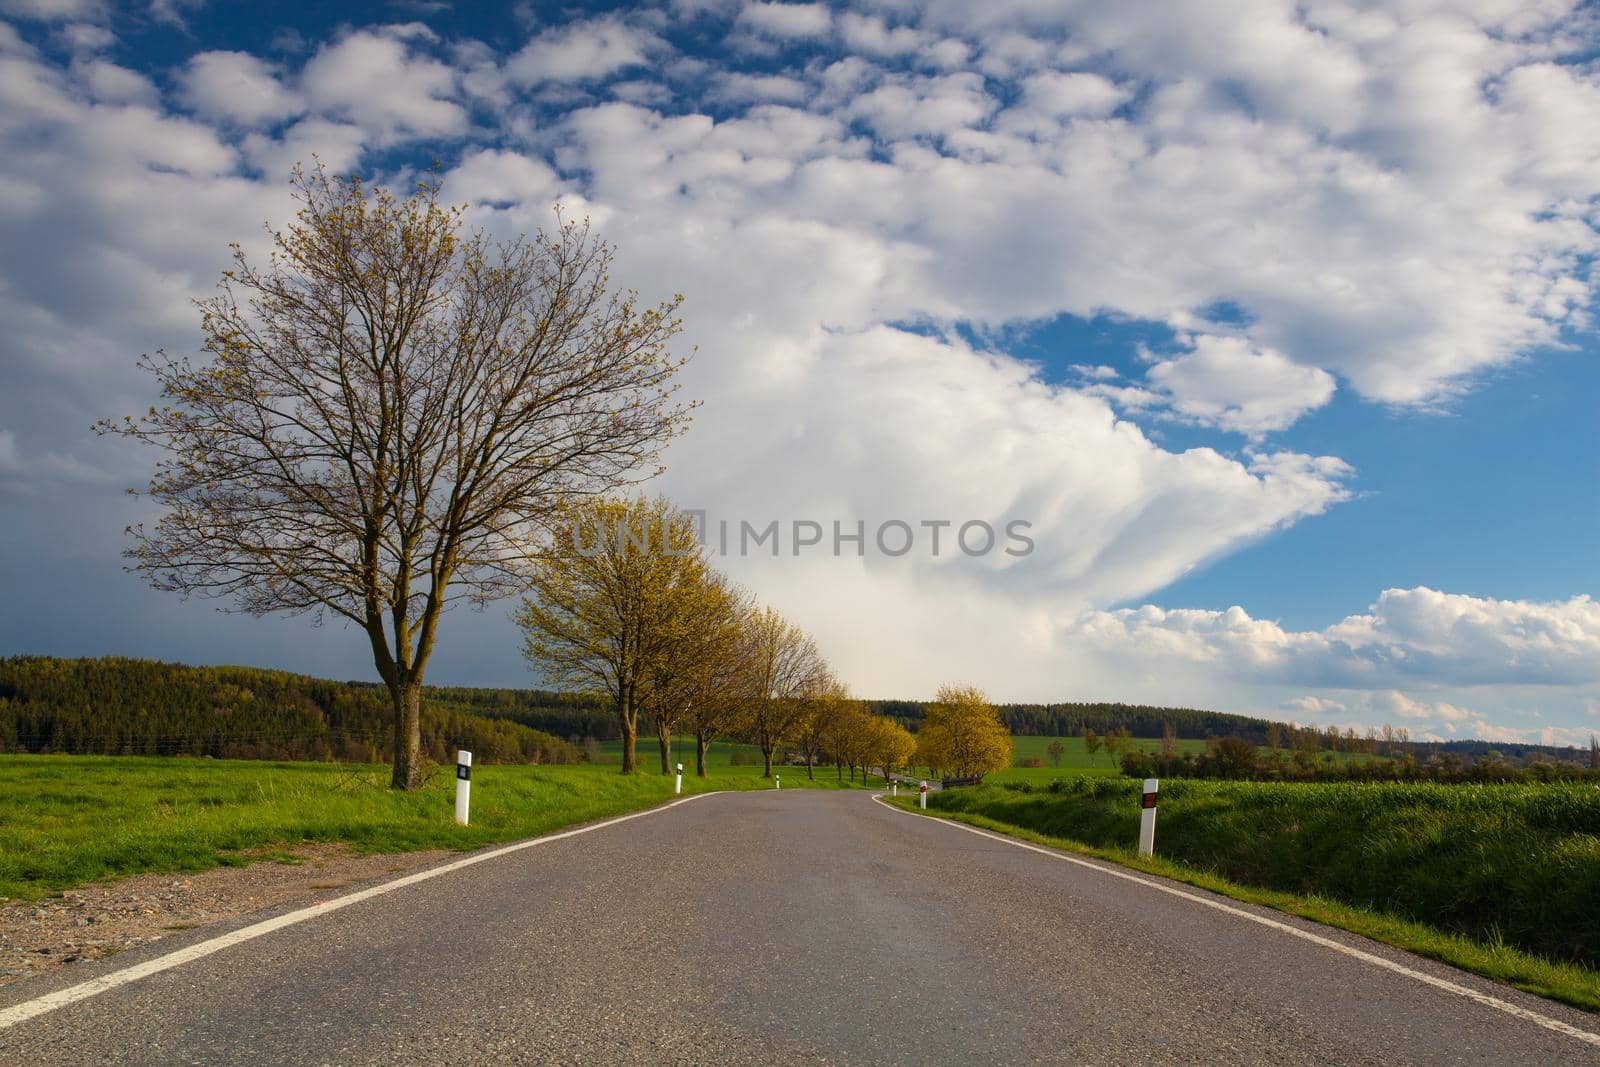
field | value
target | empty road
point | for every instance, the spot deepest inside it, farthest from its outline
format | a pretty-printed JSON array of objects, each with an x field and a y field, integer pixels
[{"x": 784, "y": 926}]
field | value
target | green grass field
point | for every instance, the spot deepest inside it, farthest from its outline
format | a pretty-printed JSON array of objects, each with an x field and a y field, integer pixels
[
  {"x": 725, "y": 758},
  {"x": 66, "y": 820}
]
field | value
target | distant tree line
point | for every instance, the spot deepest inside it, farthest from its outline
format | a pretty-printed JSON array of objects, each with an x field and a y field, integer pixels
[
  {"x": 576, "y": 717},
  {"x": 1237, "y": 758},
  {"x": 119, "y": 706},
  {"x": 1071, "y": 719}
]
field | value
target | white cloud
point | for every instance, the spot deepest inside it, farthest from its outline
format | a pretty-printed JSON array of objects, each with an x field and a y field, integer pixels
[
  {"x": 873, "y": 36},
  {"x": 1303, "y": 164},
  {"x": 1313, "y": 707},
  {"x": 379, "y": 82},
  {"x": 55, "y": 10},
  {"x": 785, "y": 20},
  {"x": 111, "y": 84},
  {"x": 238, "y": 87},
  {"x": 1095, "y": 372},
  {"x": 1069, "y": 94},
  {"x": 86, "y": 37},
  {"x": 584, "y": 51},
  {"x": 1231, "y": 384},
  {"x": 338, "y": 145},
  {"x": 496, "y": 178},
  {"x": 1410, "y": 637},
  {"x": 171, "y": 12},
  {"x": 738, "y": 88},
  {"x": 925, "y": 106}
]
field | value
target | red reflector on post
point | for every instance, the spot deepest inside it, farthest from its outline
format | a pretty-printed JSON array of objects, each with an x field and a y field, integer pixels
[{"x": 1149, "y": 801}]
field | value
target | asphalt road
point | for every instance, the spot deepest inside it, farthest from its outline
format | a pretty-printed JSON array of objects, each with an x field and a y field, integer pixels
[{"x": 782, "y": 926}]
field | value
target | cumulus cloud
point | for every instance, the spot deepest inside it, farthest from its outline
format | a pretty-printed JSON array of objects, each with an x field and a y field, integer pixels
[
  {"x": 871, "y": 35},
  {"x": 1409, "y": 637},
  {"x": 111, "y": 84},
  {"x": 940, "y": 164},
  {"x": 785, "y": 20},
  {"x": 933, "y": 106},
  {"x": 55, "y": 10},
  {"x": 737, "y": 88},
  {"x": 238, "y": 87},
  {"x": 1074, "y": 93},
  {"x": 583, "y": 51},
  {"x": 1231, "y": 384},
  {"x": 380, "y": 82}
]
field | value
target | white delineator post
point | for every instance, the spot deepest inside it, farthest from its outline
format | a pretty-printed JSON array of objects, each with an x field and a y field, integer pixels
[
  {"x": 677, "y": 786},
  {"x": 463, "y": 784},
  {"x": 894, "y": 789},
  {"x": 922, "y": 795},
  {"x": 1147, "y": 817},
  {"x": 777, "y": 781}
]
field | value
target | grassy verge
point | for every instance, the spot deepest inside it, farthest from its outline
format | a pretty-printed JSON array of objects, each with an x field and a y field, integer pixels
[
  {"x": 67, "y": 820},
  {"x": 1567, "y": 982}
]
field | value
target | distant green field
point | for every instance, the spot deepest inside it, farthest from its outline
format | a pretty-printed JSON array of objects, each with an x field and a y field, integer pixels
[{"x": 66, "y": 820}]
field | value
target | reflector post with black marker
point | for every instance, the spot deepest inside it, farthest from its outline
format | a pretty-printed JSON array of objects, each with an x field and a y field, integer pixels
[
  {"x": 677, "y": 786},
  {"x": 1147, "y": 817},
  {"x": 463, "y": 784}
]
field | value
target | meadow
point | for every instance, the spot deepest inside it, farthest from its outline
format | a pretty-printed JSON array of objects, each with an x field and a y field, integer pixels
[
  {"x": 67, "y": 820},
  {"x": 1516, "y": 866}
]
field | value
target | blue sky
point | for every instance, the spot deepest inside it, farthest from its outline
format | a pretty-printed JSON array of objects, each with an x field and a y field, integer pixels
[{"x": 1274, "y": 320}]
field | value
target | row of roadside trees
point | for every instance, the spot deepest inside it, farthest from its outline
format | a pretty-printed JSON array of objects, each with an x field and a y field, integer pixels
[{"x": 627, "y": 603}]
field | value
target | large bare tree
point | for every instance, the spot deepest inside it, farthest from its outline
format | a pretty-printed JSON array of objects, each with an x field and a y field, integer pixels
[{"x": 392, "y": 407}]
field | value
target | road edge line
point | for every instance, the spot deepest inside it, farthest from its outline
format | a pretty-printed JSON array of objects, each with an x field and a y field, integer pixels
[
  {"x": 60, "y": 998},
  {"x": 1527, "y": 1014}
]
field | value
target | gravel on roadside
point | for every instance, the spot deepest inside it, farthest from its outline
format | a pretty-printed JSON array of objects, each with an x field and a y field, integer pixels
[{"x": 104, "y": 918}]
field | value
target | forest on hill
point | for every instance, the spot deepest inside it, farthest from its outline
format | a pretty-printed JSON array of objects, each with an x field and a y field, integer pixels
[
  {"x": 118, "y": 706},
  {"x": 142, "y": 707},
  {"x": 1070, "y": 720}
]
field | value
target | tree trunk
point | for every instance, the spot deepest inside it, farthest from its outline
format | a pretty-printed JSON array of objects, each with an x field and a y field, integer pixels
[
  {"x": 700, "y": 747},
  {"x": 838, "y": 769},
  {"x": 407, "y": 698},
  {"x": 664, "y": 738},
  {"x": 766, "y": 754},
  {"x": 630, "y": 734},
  {"x": 811, "y": 763}
]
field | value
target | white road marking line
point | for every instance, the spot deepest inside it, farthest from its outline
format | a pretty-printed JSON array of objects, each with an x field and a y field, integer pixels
[
  {"x": 1366, "y": 957},
  {"x": 29, "y": 1009}
]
